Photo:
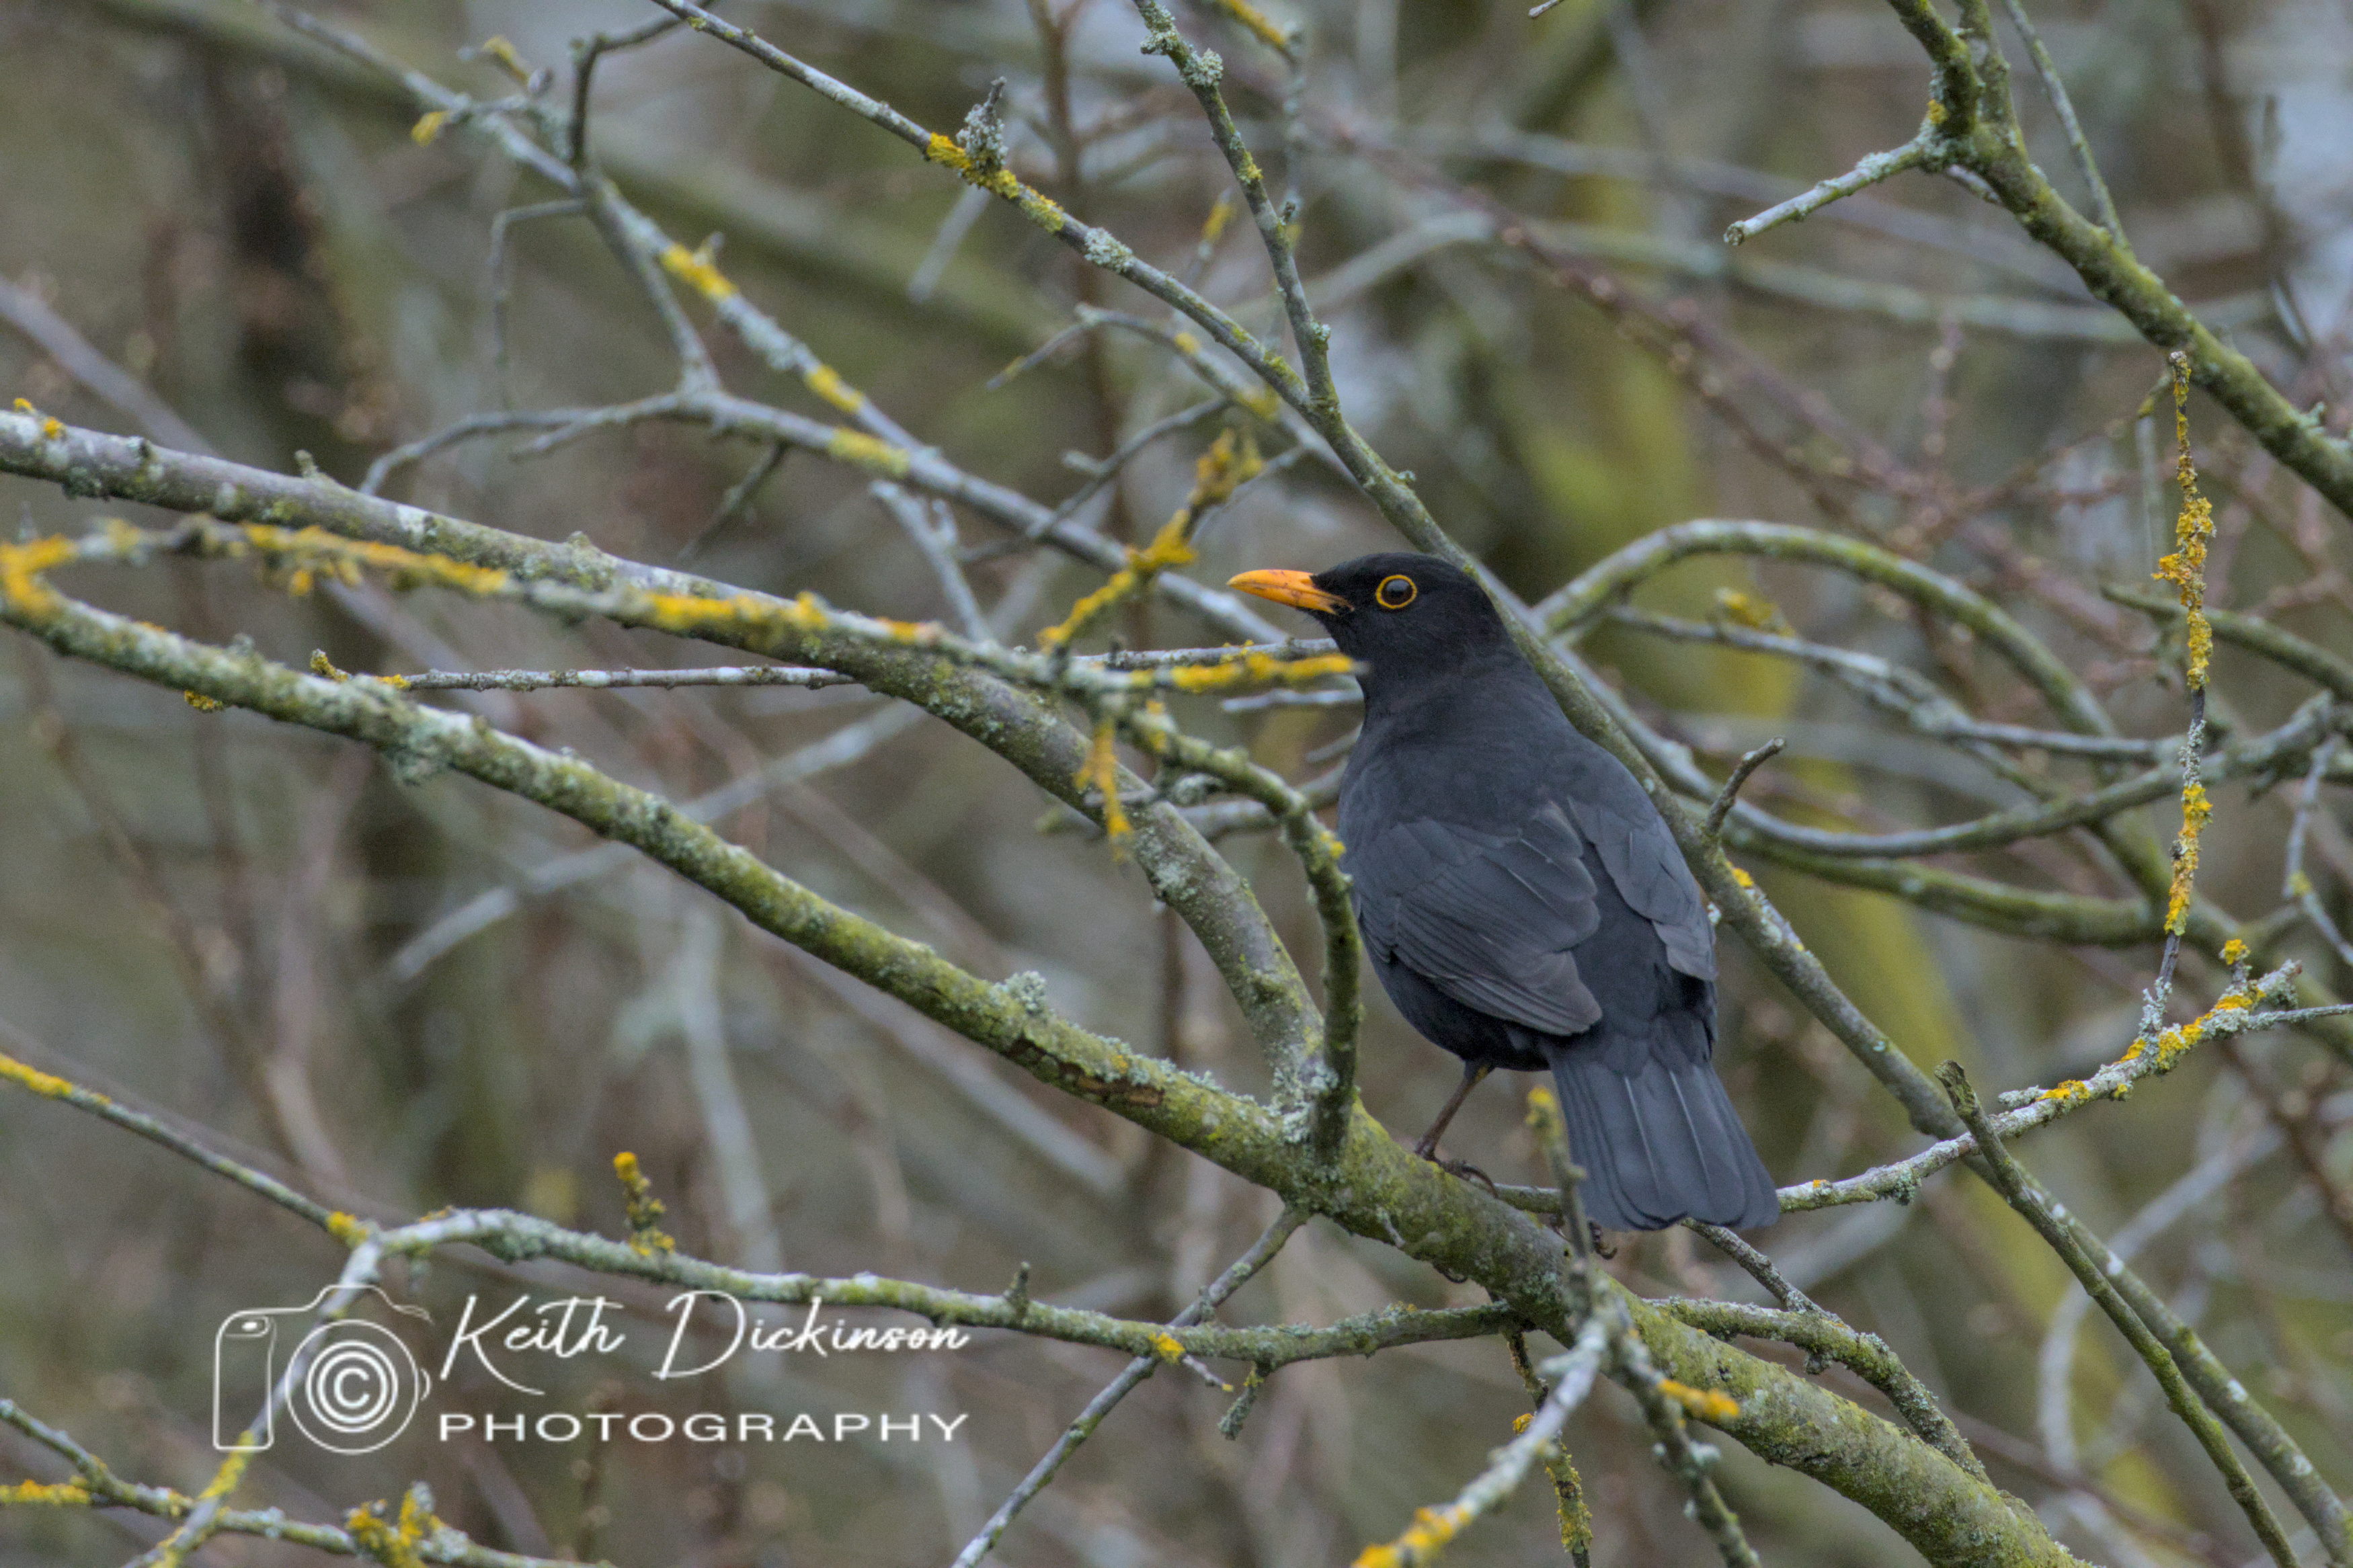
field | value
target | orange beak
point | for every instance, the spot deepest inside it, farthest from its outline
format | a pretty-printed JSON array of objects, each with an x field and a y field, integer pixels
[{"x": 1294, "y": 588}]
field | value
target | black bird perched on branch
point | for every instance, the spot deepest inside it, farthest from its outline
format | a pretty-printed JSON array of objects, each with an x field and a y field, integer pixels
[{"x": 1522, "y": 900}]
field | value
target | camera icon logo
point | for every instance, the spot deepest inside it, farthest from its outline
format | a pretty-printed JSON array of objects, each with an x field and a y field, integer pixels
[{"x": 352, "y": 1384}]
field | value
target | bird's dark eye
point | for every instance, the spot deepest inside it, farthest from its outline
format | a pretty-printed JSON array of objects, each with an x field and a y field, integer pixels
[{"x": 1395, "y": 593}]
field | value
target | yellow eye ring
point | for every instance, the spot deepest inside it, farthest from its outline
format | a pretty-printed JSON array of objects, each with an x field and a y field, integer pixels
[{"x": 1395, "y": 593}]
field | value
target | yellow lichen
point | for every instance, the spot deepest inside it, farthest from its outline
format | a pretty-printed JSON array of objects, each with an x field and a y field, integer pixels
[
  {"x": 827, "y": 383},
  {"x": 644, "y": 1210},
  {"x": 1544, "y": 1118},
  {"x": 1165, "y": 1346},
  {"x": 349, "y": 1229},
  {"x": 45, "y": 1494},
  {"x": 1224, "y": 468},
  {"x": 428, "y": 127},
  {"x": 699, "y": 270},
  {"x": 310, "y": 553},
  {"x": 869, "y": 452},
  {"x": 1704, "y": 1402},
  {"x": 21, "y": 566},
  {"x": 201, "y": 703},
  {"x": 1257, "y": 669},
  {"x": 48, "y": 1085},
  {"x": 1100, "y": 772},
  {"x": 2195, "y": 809},
  {"x": 393, "y": 1546},
  {"x": 2171, "y": 1045},
  {"x": 1041, "y": 210},
  {"x": 997, "y": 181},
  {"x": 2186, "y": 567},
  {"x": 504, "y": 55},
  {"x": 225, "y": 1479},
  {"x": 52, "y": 427},
  {"x": 2234, "y": 951},
  {"x": 1751, "y": 610},
  {"x": 1431, "y": 1528},
  {"x": 416, "y": 1520},
  {"x": 1221, "y": 213},
  {"x": 1257, "y": 22}
]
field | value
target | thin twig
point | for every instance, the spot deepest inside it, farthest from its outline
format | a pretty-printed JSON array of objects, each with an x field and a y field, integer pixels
[
  {"x": 2027, "y": 1196},
  {"x": 970, "y": 204},
  {"x": 126, "y": 394},
  {"x": 586, "y": 54},
  {"x": 496, "y": 267},
  {"x": 1243, "y": 1268},
  {"x": 97, "y": 1486},
  {"x": 1922, "y": 150},
  {"x": 2241, "y": 1012},
  {"x": 842, "y": 747},
  {"x": 933, "y": 528},
  {"x": 2294, "y": 884},
  {"x": 1731, "y": 791},
  {"x": 2184, "y": 568},
  {"x": 1665, "y": 1406},
  {"x": 48, "y": 1085},
  {"x": 608, "y": 679},
  {"x": 2056, "y": 87},
  {"x": 2056, "y": 1360},
  {"x": 737, "y": 501},
  {"x": 1201, "y": 74},
  {"x": 1760, "y": 1266},
  {"x": 1825, "y": 1338},
  {"x": 1572, "y": 1375}
]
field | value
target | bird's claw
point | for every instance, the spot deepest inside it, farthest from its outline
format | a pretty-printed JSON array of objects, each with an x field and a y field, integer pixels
[{"x": 1464, "y": 1169}]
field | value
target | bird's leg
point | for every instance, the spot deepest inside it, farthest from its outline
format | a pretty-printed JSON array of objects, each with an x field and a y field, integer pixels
[{"x": 1471, "y": 1073}]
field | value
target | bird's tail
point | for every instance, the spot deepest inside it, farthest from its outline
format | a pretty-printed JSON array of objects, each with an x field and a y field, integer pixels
[{"x": 1660, "y": 1143}]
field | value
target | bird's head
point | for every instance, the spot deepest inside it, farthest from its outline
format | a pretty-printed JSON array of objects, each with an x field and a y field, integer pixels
[{"x": 1404, "y": 615}]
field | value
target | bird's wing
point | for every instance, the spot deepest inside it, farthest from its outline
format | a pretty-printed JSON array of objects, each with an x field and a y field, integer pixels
[
  {"x": 1640, "y": 853},
  {"x": 1488, "y": 919}
]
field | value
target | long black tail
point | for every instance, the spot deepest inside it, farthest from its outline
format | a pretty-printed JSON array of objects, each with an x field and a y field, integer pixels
[{"x": 1659, "y": 1143}]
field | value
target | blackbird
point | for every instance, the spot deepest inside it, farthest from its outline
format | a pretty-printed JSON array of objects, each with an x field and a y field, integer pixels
[{"x": 1522, "y": 900}]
